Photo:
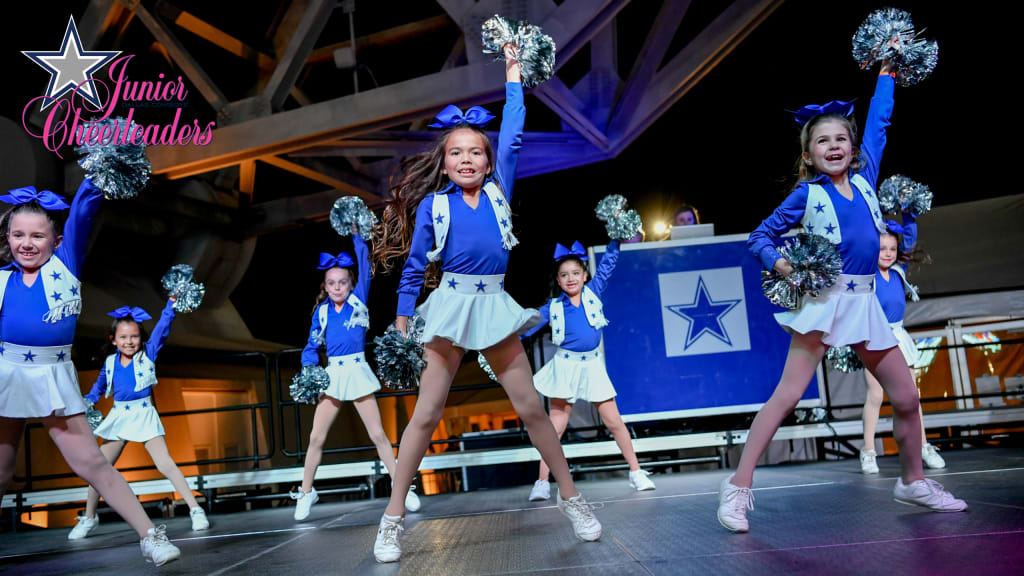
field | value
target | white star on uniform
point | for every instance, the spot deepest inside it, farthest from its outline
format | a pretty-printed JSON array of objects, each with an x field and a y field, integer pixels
[{"x": 70, "y": 67}]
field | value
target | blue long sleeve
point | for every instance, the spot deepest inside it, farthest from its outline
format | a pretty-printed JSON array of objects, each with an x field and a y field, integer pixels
[
  {"x": 909, "y": 239},
  {"x": 310, "y": 357},
  {"x": 362, "y": 287},
  {"x": 412, "y": 274},
  {"x": 160, "y": 332},
  {"x": 876, "y": 126},
  {"x": 787, "y": 216},
  {"x": 545, "y": 313},
  {"x": 510, "y": 139},
  {"x": 99, "y": 388},
  {"x": 78, "y": 226},
  {"x": 605, "y": 268}
]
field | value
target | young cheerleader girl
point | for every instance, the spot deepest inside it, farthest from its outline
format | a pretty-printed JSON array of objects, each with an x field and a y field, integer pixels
[
  {"x": 340, "y": 320},
  {"x": 453, "y": 202},
  {"x": 40, "y": 301},
  {"x": 835, "y": 198},
  {"x": 128, "y": 373},
  {"x": 892, "y": 288},
  {"x": 577, "y": 370}
]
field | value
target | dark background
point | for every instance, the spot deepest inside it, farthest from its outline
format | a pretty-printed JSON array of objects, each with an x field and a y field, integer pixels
[{"x": 728, "y": 146}]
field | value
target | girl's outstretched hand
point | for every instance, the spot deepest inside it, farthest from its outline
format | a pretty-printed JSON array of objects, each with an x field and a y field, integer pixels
[
  {"x": 512, "y": 69},
  {"x": 782, "y": 266}
]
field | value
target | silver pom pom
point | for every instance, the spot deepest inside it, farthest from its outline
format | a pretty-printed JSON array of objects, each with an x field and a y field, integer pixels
[
  {"x": 889, "y": 34},
  {"x": 844, "y": 359},
  {"x": 620, "y": 222},
  {"x": 120, "y": 170},
  {"x": 308, "y": 384},
  {"x": 349, "y": 210},
  {"x": 901, "y": 194},
  {"x": 190, "y": 297},
  {"x": 93, "y": 415},
  {"x": 400, "y": 357},
  {"x": 176, "y": 278},
  {"x": 486, "y": 366},
  {"x": 816, "y": 267},
  {"x": 534, "y": 50}
]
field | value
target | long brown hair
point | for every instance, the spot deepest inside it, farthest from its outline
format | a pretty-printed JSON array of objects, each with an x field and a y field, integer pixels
[{"x": 415, "y": 177}]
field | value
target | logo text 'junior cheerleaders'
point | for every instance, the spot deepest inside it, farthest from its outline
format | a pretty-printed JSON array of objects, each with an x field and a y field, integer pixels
[{"x": 76, "y": 120}]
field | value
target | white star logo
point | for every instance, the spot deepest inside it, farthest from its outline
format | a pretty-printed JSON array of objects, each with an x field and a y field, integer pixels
[{"x": 71, "y": 67}]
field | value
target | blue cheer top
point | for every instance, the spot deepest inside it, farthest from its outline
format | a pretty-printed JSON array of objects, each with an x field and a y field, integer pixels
[
  {"x": 859, "y": 244},
  {"x": 21, "y": 317},
  {"x": 125, "y": 376},
  {"x": 474, "y": 242},
  {"x": 891, "y": 293},
  {"x": 580, "y": 336},
  {"x": 339, "y": 339}
]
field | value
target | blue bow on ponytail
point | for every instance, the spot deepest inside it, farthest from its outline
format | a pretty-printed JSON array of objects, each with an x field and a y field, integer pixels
[
  {"x": 327, "y": 261},
  {"x": 46, "y": 199},
  {"x": 137, "y": 314},
  {"x": 577, "y": 250},
  {"x": 452, "y": 116},
  {"x": 805, "y": 114}
]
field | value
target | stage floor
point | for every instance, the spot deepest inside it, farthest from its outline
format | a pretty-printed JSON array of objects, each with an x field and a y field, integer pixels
[{"x": 815, "y": 518}]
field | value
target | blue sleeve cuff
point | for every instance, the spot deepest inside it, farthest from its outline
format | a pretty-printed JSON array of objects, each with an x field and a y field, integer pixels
[
  {"x": 769, "y": 256},
  {"x": 406, "y": 304}
]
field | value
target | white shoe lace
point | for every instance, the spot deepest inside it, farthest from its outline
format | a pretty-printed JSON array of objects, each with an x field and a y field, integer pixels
[
  {"x": 296, "y": 494},
  {"x": 739, "y": 499},
  {"x": 582, "y": 510},
  {"x": 389, "y": 533},
  {"x": 159, "y": 536}
]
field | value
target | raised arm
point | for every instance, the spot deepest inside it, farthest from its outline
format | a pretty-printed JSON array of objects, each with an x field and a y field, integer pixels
[
  {"x": 78, "y": 226},
  {"x": 310, "y": 357},
  {"x": 412, "y": 273},
  {"x": 786, "y": 217},
  {"x": 876, "y": 126},
  {"x": 605, "y": 268},
  {"x": 510, "y": 139},
  {"x": 160, "y": 331},
  {"x": 362, "y": 287}
]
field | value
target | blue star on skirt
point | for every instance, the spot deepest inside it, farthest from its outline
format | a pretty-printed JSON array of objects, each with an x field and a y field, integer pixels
[{"x": 704, "y": 315}]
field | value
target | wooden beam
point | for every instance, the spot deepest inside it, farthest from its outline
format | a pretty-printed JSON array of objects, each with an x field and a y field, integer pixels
[
  {"x": 692, "y": 63},
  {"x": 223, "y": 40},
  {"x": 319, "y": 176},
  {"x": 383, "y": 38},
  {"x": 247, "y": 178},
  {"x": 557, "y": 96},
  {"x": 291, "y": 61},
  {"x": 646, "y": 64}
]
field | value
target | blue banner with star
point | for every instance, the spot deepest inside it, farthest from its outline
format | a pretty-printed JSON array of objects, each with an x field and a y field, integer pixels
[{"x": 690, "y": 332}]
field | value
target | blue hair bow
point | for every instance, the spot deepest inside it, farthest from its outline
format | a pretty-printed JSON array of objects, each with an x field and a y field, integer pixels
[
  {"x": 894, "y": 227},
  {"x": 46, "y": 199},
  {"x": 577, "y": 250},
  {"x": 452, "y": 116},
  {"x": 804, "y": 115},
  {"x": 137, "y": 314},
  {"x": 327, "y": 261}
]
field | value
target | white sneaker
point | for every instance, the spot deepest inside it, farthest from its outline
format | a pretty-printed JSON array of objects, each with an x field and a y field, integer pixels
[
  {"x": 867, "y": 462},
  {"x": 930, "y": 457},
  {"x": 156, "y": 548},
  {"x": 541, "y": 491},
  {"x": 412, "y": 501},
  {"x": 733, "y": 503},
  {"x": 639, "y": 479},
  {"x": 927, "y": 493},
  {"x": 584, "y": 523},
  {"x": 84, "y": 526},
  {"x": 388, "y": 548},
  {"x": 199, "y": 520},
  {"x": 303, "y": 502}
]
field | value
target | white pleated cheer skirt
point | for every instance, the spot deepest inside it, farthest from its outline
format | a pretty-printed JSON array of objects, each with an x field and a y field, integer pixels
[
  {"x": 38, "y": 381},
  {"x": 848, "y": 313},
  {"x": 906, "y": 343},
  {"x": 132, "y": 421},
  {"x": 575, "y": 376},
  {"x": 474, "y": 312},
  {"x": 351, "y": 377}
]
